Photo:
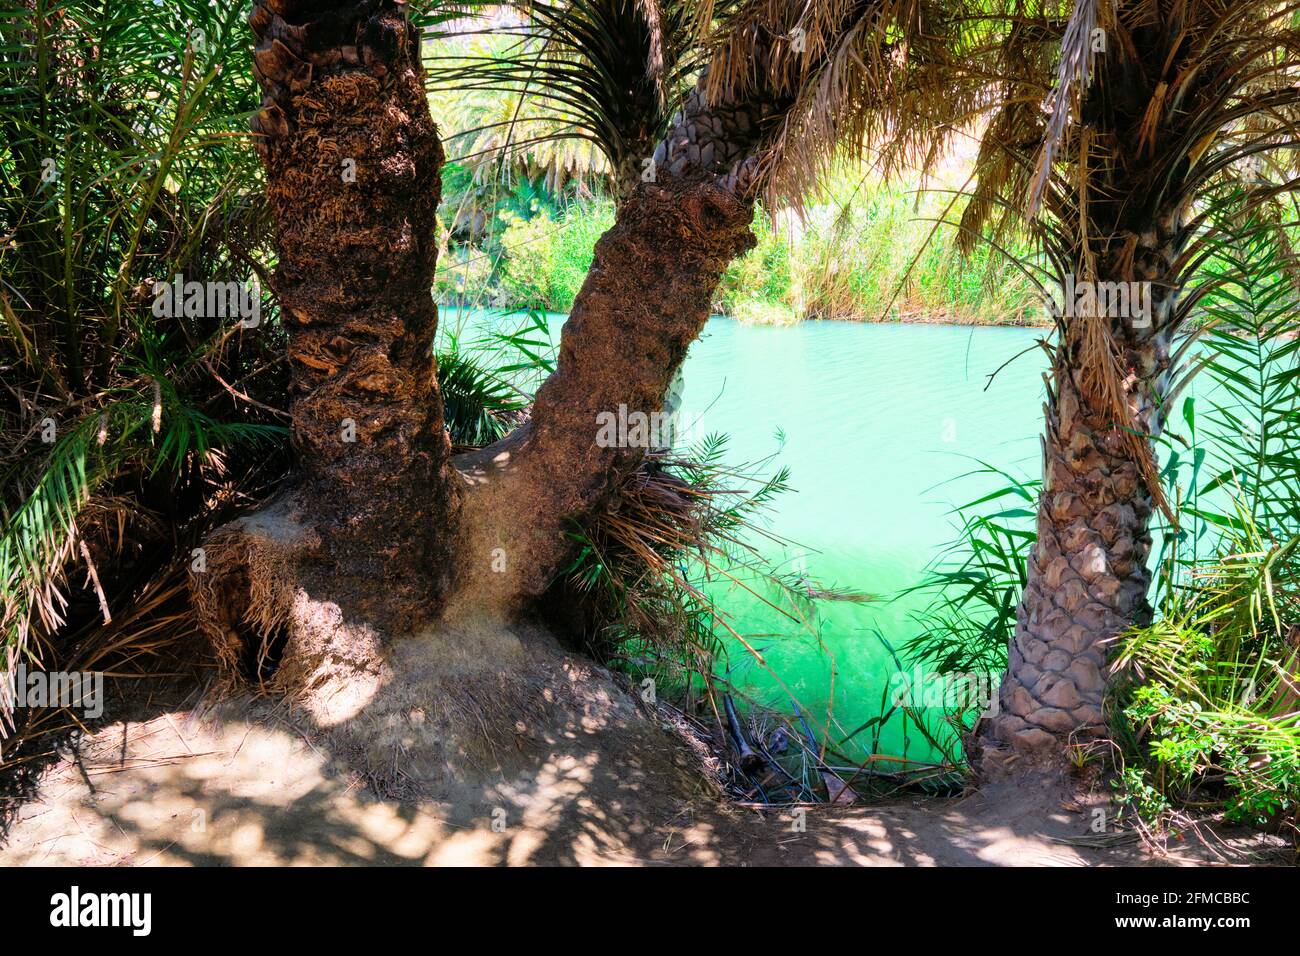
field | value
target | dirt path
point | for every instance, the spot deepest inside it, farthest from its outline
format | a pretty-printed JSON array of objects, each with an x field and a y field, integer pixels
[{"x": 243, "y": 786}]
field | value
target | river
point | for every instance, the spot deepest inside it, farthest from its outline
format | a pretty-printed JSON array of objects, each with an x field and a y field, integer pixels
[{"x": 876, "y": 422}]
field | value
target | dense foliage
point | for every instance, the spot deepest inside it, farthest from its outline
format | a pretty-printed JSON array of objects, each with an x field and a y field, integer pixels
[{"x": 126, "y": 428}]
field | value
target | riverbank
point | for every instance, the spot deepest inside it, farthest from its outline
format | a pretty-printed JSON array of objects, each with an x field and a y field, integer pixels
[
  {"x": 780, "y": 317},
  {"x": 860, "y": 249},
  {"x": 760, "y": 315},
  {"x": 765, "y": 315}
]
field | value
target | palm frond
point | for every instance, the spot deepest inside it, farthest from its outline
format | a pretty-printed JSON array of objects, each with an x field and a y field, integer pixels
[{"x": 609, "y": 72}]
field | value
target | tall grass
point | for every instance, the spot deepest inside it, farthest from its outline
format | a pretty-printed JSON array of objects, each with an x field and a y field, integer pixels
[{"x": 866, "y": 250}]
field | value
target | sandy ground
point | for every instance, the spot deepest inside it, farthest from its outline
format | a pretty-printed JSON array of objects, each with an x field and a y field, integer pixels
[{"x": 242, "y": 785}]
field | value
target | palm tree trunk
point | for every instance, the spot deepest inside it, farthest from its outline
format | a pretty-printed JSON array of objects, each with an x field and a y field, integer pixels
[
  {"x": 353, "y": 161},
  {"x": 353, "y": 167},
  {"x": 645, "y": 299},
  {"x": 1088, "y": 576}
]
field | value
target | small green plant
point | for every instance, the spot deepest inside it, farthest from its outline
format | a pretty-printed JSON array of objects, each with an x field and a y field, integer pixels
[
  {"x": 478, "y": 406},
  {"x": 1211, "y": 693},
  {"x": 1134, "y": 792}
]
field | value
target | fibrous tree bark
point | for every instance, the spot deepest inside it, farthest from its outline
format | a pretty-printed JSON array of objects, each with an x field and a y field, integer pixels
[
  {"x": 358, "y": 547},
  {"x": 353, "y": 167},
  {"x": 1088, "y": 573},
  {"x": 1119, "y": 192}
]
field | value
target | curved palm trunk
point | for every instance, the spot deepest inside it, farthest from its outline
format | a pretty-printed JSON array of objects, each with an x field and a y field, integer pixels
[
  {"x": 646, "y": 297},
  {"x": 645, "y": 300},
  {"x": 1088, "y": 577},
  {"x": 353, "y": 179}
]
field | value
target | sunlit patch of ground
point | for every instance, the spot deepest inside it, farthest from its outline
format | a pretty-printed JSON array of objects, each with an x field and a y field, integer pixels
[{"x": 242, "y": 785}]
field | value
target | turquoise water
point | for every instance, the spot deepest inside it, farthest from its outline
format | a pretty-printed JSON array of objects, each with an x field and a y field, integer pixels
[{"x": 874, "y": 422}]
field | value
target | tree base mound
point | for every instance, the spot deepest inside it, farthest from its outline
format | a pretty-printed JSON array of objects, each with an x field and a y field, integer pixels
[
  {"x": 466, "y": 714},
  {"x": 452, "y": 710}
]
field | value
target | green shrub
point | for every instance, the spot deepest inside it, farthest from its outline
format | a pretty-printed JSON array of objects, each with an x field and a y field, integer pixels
[
  {"x": 763, "y": 275},
  {"x": 464, "y": 276},
  {"x": 546, "y": 260},
  {"x": 1212, "y": 704}
]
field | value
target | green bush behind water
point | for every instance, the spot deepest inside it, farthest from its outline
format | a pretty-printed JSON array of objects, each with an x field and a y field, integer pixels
[{"x": 859, "y": 253}]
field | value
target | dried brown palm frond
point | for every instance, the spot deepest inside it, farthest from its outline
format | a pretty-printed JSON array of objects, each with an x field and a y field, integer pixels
[
  {"x": 1021, "y": 63},
  {"x": 149, "y": 636},
  {"x": 676, "y": 522},
  {"x": 1073, "y": 75},
  {"x": 885, "y": 76},
  {"x": 1117, "y": 117},
  {"x": 1173, "y": 100}
]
